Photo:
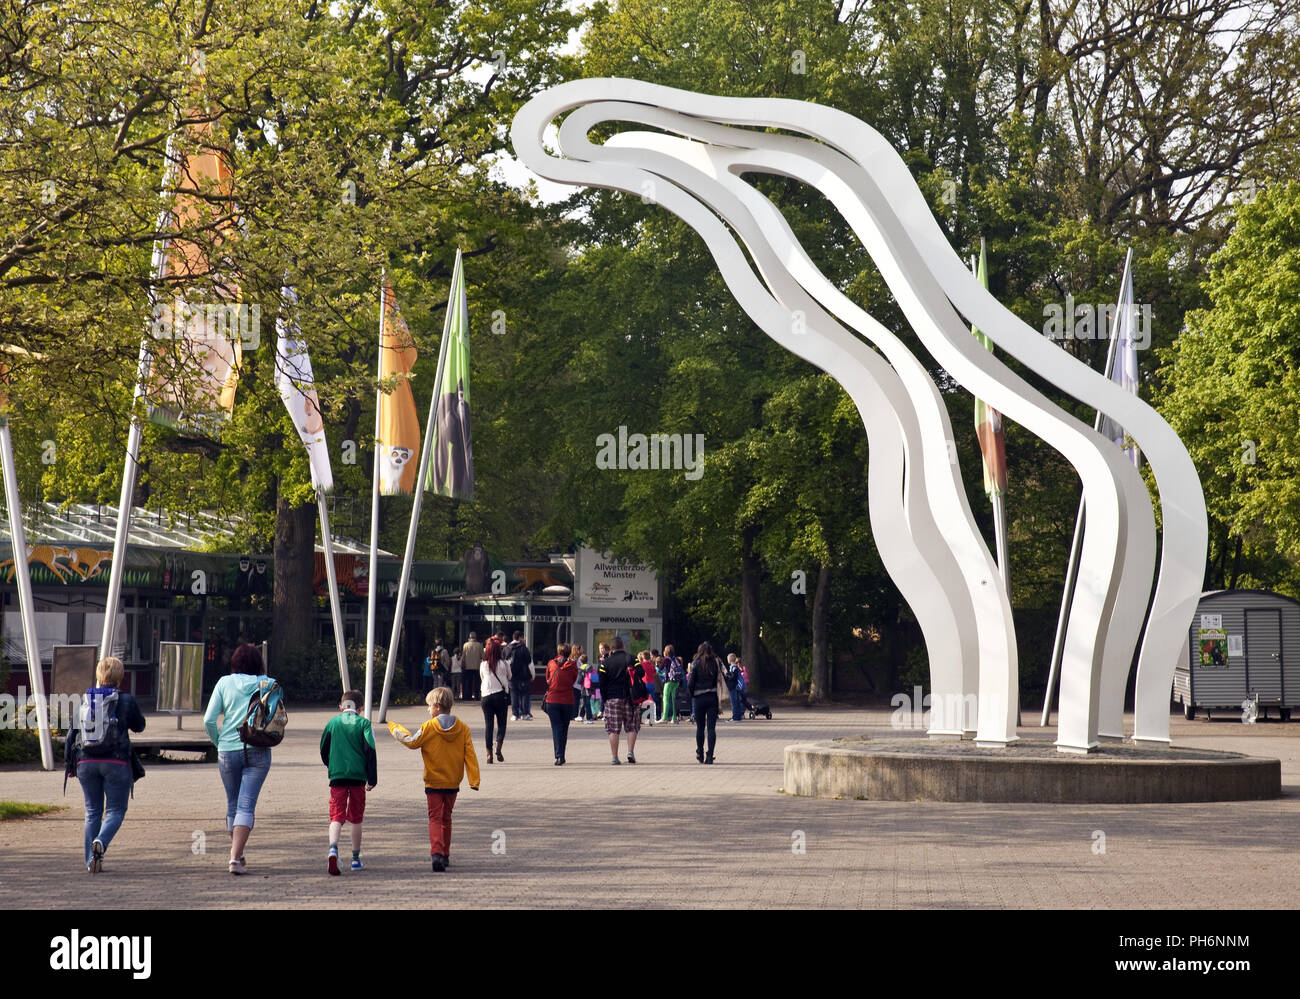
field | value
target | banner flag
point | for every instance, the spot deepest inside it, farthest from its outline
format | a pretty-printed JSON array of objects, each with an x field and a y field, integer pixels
[
  {"x": 1124, "y": 367},
  {"x": 399, "y": 425},
  {"x": 451, "y": 468},
  {"x": 297, "y": 385},
  {"x": 200, "y": 332},
  {"x": 988, "y": 421}
]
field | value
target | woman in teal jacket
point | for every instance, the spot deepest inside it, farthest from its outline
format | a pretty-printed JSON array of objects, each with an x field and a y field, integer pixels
[{"x": 243, "y": 768}]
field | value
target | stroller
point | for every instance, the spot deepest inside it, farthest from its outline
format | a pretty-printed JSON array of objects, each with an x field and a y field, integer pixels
[{"x": 757, "y": 706}]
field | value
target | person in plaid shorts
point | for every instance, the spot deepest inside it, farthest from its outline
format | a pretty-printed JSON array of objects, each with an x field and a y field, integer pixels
[{"x": 620, "y": 711}]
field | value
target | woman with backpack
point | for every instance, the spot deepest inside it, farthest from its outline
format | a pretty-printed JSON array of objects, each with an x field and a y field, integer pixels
[
  {"x": 702, "y": 684},
  {"x": 243, "y": 767},
  {"x": 674, "y": 675},
  {"x": 100, "y": 756}
]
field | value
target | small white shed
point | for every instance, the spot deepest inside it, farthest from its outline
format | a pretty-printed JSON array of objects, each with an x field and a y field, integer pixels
[{"x": 1241, "y": 642}]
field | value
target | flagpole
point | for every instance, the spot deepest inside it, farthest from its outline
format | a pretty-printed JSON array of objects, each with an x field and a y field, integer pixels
[
  {"x": 411, "y": 532},
  {"x": 996, "y": 497},
  {"x": 372, "y": 580},
  {"x": 125, "y": 504},
  {"x": 336, "y": 612},
  {"x": 1072, "y": 568},
  {"x": 22, "y": 576}
]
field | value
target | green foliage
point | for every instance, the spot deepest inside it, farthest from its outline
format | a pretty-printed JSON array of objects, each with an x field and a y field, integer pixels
[{"x": 1232, "y": 391}]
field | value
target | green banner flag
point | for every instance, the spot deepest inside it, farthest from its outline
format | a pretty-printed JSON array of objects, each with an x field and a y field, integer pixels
[{"x": 451, "y": 464}]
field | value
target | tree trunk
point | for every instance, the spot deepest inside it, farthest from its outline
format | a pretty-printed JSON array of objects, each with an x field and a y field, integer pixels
[
  {"x": 750, "y": 574},
  {"x": 294, "y": 606},
  {"x": 820, "y": 690}
]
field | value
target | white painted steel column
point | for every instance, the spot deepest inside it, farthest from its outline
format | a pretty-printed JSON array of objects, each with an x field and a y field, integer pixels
[
  {"x": 336, "y": 613},
  {"x": 26, "y": 604}
]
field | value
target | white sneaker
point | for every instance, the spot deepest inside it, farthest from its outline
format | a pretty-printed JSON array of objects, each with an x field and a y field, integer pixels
[{"x": 514, "y": 717}]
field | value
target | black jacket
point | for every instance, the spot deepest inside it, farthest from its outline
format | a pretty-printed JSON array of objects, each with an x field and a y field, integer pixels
[
  {"x": 704, "y": 677},
  {"x": 613, "y": 675}
]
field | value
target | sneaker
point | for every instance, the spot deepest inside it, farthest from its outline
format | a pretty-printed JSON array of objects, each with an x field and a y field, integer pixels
[
  {"x": 631, "y": 758},
  {"x": 558, "y": 761},
  {"x": 514, "y": 717},
  {"x": 439, "y": 862},
  {"x": 615, "y": 761},
  {"x": 333, "y": 862},
  {"x": 96, "y": 857},
  {"x": 238, "y": 867},
  {"x": 357, "y": 865}
]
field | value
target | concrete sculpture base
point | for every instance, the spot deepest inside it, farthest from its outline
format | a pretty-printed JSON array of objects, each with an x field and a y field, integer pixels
[{"x": 1028, "y": 771}]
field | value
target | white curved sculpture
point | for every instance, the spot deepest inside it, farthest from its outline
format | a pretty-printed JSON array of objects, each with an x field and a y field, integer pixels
[{"x": 872, "y": 188}]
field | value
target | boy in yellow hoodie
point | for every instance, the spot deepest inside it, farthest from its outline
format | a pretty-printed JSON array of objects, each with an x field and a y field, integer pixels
[{"x": 448, "y": 753}]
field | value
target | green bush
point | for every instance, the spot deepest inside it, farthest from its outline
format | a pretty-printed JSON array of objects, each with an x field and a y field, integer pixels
[{"x": 23, "y": 745}]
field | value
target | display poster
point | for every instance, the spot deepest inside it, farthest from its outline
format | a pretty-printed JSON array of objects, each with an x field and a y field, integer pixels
[{"x": 1213, "y": 644}]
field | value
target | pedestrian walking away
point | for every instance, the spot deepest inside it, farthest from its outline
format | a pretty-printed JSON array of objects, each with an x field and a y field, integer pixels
[
  {"x": 244, "y": 768},
  {"x": 347, "y": 748},
  {"x": 621, "y": 713},
  {"x": 99, "y": 754},
  {"x": 561, "y": 672},
  {"x": 496, "y": 705},
  {"x": 447, "y": 748},
  {"x": 520, "y": 661}
]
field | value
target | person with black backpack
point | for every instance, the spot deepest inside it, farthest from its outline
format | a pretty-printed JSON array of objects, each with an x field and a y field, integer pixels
[
  {"x": 99, "y": 754},
  {"x": 250, "y": 706},
  {"x": 520, "y": 661}
]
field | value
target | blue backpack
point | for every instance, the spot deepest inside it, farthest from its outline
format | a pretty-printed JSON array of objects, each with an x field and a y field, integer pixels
[{"x": 98, "y": 727}]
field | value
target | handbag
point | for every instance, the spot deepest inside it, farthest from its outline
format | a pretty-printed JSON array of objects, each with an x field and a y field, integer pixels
[{"x": 137, "y": 766}]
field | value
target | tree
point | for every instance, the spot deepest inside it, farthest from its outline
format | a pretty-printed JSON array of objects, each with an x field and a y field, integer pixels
[
  {"x": 1232, "y": 391},
  {"x": 360, "y": 138}
]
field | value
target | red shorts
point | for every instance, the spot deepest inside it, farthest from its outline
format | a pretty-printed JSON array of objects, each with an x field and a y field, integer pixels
[{"x": 347, "y": 804}]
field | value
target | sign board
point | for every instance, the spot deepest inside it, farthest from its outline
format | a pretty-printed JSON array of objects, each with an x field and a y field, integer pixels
[
  {"x": 180, "y": 677},
  {"x": 1212, "y": 622},
  {"x": 73, "y": 671},
  {"x": 605, "y": 583},
  {"x": 1235, "y": 646}
]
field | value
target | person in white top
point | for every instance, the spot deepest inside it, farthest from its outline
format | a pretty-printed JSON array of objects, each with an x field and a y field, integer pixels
[{"x": 495, "y": 688}]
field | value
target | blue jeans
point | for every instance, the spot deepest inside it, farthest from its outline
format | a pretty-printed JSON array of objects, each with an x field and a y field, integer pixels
[
  {"x": 243, "y": 782},
  {"x": 106, "y": 786},
  {"x": 521, "y": 701},
  {"x": 560, "y": 715}
]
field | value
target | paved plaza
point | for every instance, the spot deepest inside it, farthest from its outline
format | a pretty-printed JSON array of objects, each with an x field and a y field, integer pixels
[{"x": 667, "y": 832}]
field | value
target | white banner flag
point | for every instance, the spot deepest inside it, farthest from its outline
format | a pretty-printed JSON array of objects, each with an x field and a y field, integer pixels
[{"x": 297, "y": 385}]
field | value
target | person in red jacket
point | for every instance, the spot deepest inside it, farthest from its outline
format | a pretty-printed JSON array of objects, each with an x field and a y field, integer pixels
[
  {"x": 646, "y": 705},
  {"x": 561, "y": 674}
]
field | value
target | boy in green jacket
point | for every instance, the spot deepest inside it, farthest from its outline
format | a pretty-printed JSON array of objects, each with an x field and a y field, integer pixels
[{"x": 347, "y": 747}]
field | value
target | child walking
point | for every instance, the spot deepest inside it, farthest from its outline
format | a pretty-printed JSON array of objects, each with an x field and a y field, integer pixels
[
  {"x": 347, "y": 747},
  {"x": 448, "y": 751}
]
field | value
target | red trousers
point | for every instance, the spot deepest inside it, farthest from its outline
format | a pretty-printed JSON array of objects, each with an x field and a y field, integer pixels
[{"x": 440, "y": 805}]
